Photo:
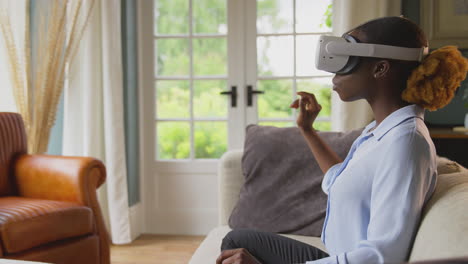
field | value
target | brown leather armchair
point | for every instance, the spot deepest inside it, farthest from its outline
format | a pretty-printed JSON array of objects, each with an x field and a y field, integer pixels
[{"x": 48, "y": 206}]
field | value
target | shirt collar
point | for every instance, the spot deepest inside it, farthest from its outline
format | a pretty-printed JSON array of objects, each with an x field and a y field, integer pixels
[{"x": 394, "y": 119}]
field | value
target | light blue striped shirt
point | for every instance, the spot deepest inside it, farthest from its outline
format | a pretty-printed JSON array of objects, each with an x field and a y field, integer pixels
[{"x": 376, "y": 195}]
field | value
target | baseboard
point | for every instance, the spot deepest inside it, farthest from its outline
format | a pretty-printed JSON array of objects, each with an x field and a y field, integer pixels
[{"x": 136, "y": 221}]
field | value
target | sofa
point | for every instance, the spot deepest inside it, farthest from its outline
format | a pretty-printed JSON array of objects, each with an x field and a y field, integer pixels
[{"x": 442, "y": 235}]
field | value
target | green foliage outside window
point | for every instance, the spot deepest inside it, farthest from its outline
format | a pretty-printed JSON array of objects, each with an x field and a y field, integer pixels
[
  {"x": 327, "y": 17},
  {"x": 173, "y": 140}
]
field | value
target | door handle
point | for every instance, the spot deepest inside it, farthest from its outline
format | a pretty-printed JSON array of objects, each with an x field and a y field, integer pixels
[
  {"x": 250, "y": 93},
  {"x": 233, "y": 94}
]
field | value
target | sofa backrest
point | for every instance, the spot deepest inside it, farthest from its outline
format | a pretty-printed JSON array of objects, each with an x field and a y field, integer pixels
[
  {"x": 444, "y": 225},
  {"x": 12, "y": 144},
  {"x": 443, "y": 232}
]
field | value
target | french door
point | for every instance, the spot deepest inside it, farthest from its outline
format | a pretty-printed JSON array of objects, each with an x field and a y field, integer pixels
[
  {"x": 220, "y": 65},
  {"x": 208, "y": 68}
]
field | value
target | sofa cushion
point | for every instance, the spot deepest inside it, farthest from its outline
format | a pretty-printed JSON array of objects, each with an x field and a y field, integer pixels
[
  {"x": 26, "y": 223},
  {"x": 282, "y": 189},
  {"x": 446, "y": 166},
  {"x": 210, "y": 248}
]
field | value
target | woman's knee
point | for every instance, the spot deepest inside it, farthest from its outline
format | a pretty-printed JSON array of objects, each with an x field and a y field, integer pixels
[{"x": 236, "y": 239}]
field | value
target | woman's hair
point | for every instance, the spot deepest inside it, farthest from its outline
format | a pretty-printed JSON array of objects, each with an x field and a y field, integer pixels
[{"x": 431, "y": 83}]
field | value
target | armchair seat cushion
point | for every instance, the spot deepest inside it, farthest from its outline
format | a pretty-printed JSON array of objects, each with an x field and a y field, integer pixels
[{"x": 26, "y": 223}]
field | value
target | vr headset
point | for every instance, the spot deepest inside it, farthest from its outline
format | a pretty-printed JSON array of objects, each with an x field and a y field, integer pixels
[{"x": 341, "y": 54}]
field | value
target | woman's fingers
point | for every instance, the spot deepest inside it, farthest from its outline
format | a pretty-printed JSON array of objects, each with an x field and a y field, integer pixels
[
  {"x": 308, "y": 102},
  {"x": 295, "y": 104},
  {"x": 303, "y": 101},
  {"x": 229, "y": 256},
  {"x": 308, "y": 97},
  {"x": 315, "y": 103},
  {"x": 225, "y": 254},
  {"x": 236, "y": 256}
]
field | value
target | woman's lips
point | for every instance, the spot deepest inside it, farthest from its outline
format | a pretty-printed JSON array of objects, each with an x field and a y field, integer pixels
[{"x": 335, "y": 86}]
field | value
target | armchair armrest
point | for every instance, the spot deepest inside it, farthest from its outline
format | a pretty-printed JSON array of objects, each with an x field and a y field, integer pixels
[{"x": 70, "y": 179}]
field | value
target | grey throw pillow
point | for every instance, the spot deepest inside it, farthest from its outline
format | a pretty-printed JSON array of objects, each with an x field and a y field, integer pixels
[{"x": 282, "y": 190}]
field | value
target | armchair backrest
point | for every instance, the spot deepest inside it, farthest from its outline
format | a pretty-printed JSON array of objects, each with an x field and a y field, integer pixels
[{"x": 12, "y": 144}]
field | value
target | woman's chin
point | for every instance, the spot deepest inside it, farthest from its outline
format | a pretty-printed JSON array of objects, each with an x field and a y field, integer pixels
[
  {"x": 345, "y": 98},
  {"x": 340, "y": 94}
]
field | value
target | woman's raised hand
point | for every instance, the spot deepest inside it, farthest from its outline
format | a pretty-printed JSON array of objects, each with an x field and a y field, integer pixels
[{"x": 309, "y": 110}]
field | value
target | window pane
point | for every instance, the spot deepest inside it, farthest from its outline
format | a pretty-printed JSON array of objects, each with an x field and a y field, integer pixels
[
  {"x": 173, "y": 140},
  {"x": 305, "y": 56},
  {"x": 323, "y": 125},
  {"x": 312, "y": 16},
  {"x": 171, "y": 16},
  {"x": 275, "y": 56},
  {"x": 321, "y": 88},
  {"x": 274, "y": 16},
  {"x": 277, "y": 124},
  {"x": 274, "y": 103},
  {"x": 210, "y": 139},
  {"x": 172, "y": 57},
  {"x": 209, "y": 17},
  {"x": 207, "y": 102},
  {"x": 209, "y": 56},
  {"x": 172, "y": 99}
]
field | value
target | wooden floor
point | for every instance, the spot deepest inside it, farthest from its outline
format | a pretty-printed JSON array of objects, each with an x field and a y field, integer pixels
[{"x": 156, "y": 249}]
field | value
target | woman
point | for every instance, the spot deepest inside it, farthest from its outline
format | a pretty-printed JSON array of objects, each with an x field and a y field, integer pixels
[{"x": 376, "y": 195}]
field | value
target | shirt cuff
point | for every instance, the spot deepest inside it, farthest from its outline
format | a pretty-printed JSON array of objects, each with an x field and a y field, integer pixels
[
  {"x": 337, "y": 259},
  {"x": 327, "y": 260}
]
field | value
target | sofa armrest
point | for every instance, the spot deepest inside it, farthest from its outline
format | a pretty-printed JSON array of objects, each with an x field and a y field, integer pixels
[
  {"x": 71, "y": 179},
  {"x": 230, "y": 180}
]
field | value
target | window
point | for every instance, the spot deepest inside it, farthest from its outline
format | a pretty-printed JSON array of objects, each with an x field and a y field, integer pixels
[
  {"x": 191, "y": 71},
  {"x": 286, "y": 37}
]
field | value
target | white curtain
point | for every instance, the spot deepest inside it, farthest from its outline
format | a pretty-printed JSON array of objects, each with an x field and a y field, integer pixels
[
  {"x": 348, "y": 14},
  {"x": 7, "y": 100},
  {"x": 94, "y": 112}
]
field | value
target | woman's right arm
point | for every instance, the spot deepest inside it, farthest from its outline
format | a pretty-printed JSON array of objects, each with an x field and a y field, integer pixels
[{"x": 309, "y": 109}]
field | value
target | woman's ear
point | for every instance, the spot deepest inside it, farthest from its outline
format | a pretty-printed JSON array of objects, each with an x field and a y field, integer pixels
[{"x": 381, "y": 69}]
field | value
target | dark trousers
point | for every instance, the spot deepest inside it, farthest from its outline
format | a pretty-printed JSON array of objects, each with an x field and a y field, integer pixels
[{"x": 270, "y": 248}]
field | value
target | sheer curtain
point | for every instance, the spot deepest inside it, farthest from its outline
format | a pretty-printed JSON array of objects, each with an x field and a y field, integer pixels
[
  {"x": 346, "y": 15},
  {"x": 94, "y": 111},
  {"x": 7, "y": 99}
]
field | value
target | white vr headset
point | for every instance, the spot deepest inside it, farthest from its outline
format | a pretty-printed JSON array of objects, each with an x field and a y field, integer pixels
[{"x": 341, "y": 54}]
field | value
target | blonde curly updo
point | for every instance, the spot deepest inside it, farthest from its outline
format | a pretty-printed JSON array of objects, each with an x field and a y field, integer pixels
[{"x": 433, "y": 83}]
